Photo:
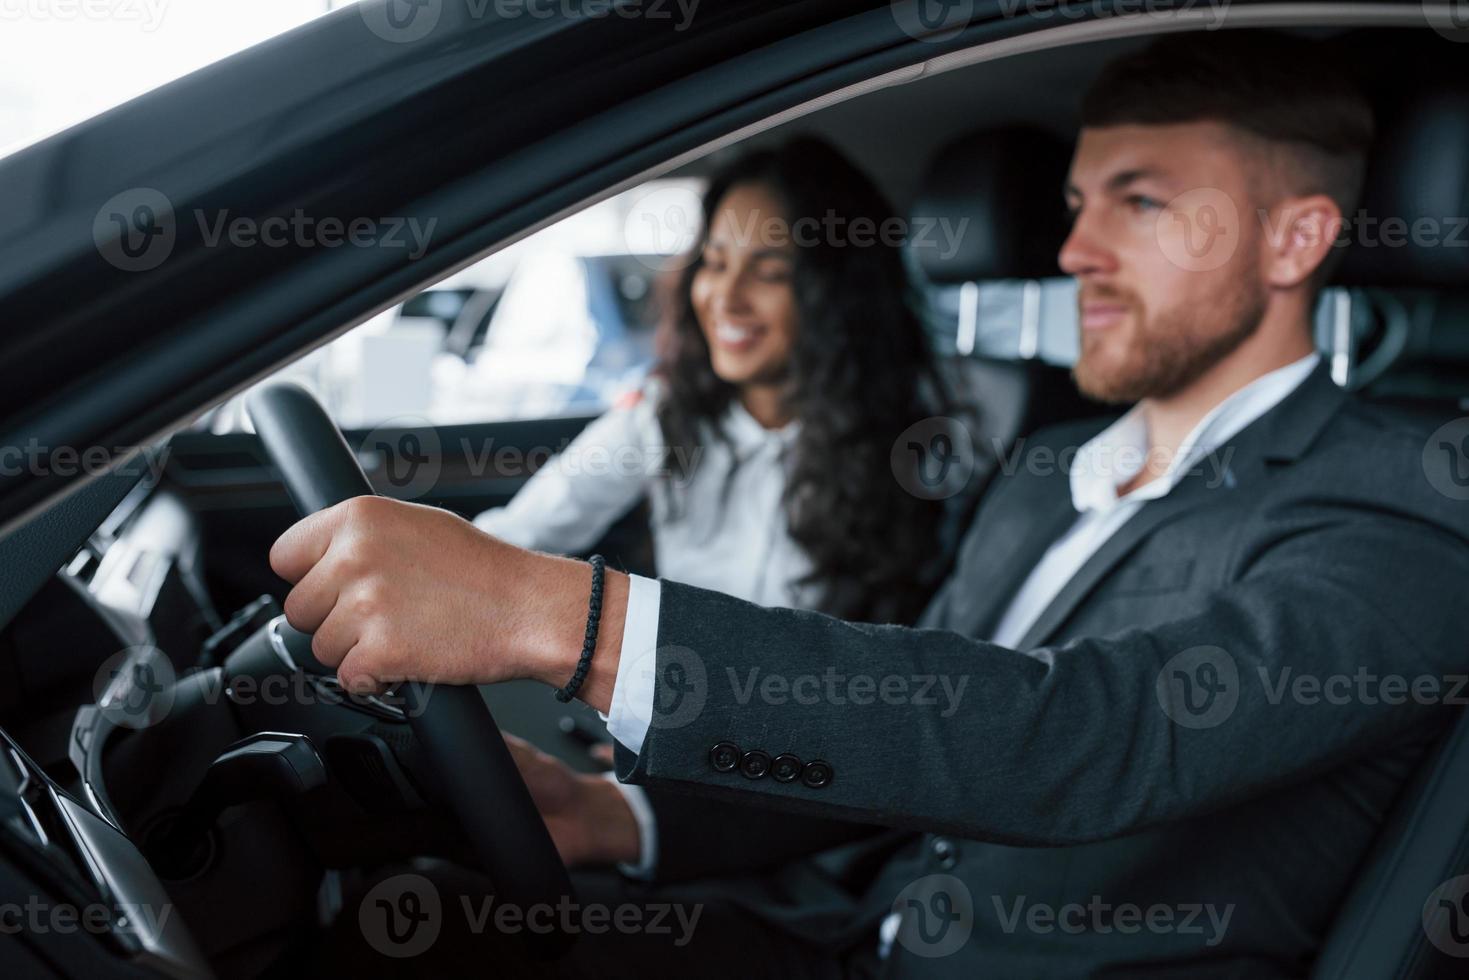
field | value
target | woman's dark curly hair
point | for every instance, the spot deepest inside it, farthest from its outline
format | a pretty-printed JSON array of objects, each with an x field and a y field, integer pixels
[{"x": 861, "y": 372}]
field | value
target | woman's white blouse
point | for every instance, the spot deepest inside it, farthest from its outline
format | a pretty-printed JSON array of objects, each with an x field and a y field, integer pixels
[{"x": 722, "y": 527}]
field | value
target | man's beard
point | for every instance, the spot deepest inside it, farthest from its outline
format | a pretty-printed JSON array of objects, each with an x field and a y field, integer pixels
[{"x": 1170, "y": 351}]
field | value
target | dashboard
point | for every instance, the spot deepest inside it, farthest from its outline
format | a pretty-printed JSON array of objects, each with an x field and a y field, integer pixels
[
  {"x": 123, "y": 688},
  {"x": 66, "y": 867}
]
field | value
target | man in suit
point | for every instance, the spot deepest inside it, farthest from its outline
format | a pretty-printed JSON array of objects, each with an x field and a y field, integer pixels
[{"x": 1185, "y": 662}]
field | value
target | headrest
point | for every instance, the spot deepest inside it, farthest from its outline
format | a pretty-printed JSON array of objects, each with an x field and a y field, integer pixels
[
  {"x": 1000, "y": 192},
  {"x": 1413, "y": 227}
]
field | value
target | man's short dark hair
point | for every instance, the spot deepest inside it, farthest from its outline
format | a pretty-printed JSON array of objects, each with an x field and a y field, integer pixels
[{"x": 1283, "y": 89}]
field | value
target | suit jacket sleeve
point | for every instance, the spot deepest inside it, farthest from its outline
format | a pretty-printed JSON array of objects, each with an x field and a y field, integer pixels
[
  {"x": 699, "y": 837},
  {"x": 1357, "y": 570}
]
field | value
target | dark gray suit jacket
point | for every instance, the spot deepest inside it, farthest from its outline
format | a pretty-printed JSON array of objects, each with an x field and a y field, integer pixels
[{"x": 1180, "y": 768}]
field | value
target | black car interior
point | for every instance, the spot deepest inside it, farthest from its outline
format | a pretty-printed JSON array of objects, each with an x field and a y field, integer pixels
[{"x": 153, "y": 581}]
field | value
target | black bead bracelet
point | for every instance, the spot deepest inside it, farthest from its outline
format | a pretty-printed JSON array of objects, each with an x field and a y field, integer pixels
[{"x": 589, "y": 643}]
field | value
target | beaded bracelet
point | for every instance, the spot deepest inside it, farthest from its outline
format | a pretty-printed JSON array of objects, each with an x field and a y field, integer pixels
[{"x": 589, "y": 643}]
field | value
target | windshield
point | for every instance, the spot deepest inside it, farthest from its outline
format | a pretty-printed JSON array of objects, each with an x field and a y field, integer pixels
[{"x": 127, "y": 47}]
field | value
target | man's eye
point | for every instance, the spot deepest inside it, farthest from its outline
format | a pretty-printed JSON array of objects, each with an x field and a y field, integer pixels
[{"x": 1141, "y": 202}]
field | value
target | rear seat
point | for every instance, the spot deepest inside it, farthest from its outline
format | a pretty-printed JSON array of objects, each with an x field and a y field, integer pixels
[
  {"x": 1407, "y": 917},
  {"x": 1000, "y": 193}
]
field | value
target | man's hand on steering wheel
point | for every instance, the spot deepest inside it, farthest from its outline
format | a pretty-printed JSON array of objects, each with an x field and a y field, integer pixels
[{"x": 396, "y": 592}]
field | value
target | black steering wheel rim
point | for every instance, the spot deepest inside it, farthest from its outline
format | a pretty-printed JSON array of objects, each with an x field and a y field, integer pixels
[{"x": 479, "y": 777}]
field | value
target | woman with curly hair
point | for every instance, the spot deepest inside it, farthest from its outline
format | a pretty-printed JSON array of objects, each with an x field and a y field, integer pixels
[{"x": 790, "y": 360}]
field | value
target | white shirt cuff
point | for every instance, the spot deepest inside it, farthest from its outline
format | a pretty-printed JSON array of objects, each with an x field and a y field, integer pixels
[
  {"x": 642, "y": 811},
  {"x": 634, "y": 690}
]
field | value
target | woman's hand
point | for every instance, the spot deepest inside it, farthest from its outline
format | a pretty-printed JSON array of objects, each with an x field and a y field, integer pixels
[{"x": 397, "y": 592}]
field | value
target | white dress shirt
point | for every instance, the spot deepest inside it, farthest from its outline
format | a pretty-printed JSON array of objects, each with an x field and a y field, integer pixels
[
  {"x": 1108, "y": 460},
  {"x": 722, "y": 527}
]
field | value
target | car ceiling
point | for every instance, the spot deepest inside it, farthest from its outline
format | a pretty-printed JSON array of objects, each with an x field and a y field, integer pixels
[{"x": 893, "y": 132}]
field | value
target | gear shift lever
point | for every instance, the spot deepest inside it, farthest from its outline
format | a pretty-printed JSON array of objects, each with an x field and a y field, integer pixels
[{"x": 270, "y": 765}]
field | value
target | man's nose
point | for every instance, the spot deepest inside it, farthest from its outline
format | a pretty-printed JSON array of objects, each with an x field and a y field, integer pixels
[{"x": 1082, "y": 252}]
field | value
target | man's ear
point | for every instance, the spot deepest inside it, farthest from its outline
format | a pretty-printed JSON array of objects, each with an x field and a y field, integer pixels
[{"x": 1300, "y": 233}]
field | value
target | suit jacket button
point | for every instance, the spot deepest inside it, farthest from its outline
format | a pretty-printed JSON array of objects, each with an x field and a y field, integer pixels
[
  {"x": 945, "y": 852},
  {"x": 724, "y": 757},
  {"x": 786, "y": 768},
  {"x": 754, "y": 764},
  {"x": 816, "y": 774}
]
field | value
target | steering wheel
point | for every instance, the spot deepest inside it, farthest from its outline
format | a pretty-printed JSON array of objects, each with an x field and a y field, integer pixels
[{"x": 474, "y": 766}]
